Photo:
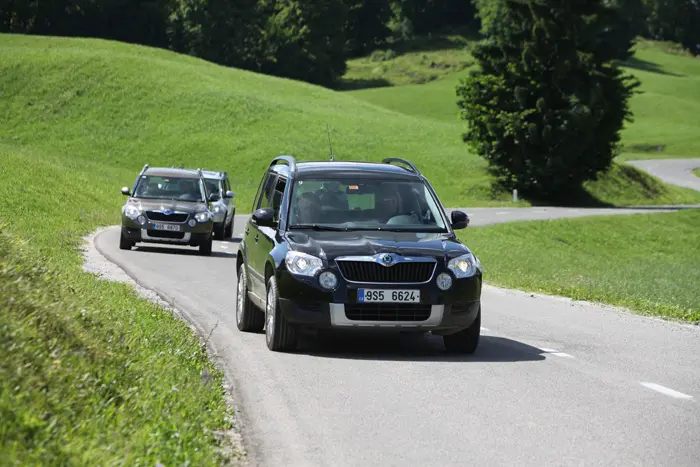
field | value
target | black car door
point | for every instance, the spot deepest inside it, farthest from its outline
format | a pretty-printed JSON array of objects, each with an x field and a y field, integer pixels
[{"x": 255, "y": 250}]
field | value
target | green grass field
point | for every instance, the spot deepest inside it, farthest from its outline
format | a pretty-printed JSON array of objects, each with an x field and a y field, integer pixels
[
  {"x": 666, "y": 123},
  {"x": 647, "y": 262},
  {"x": 89, "y": 373}
]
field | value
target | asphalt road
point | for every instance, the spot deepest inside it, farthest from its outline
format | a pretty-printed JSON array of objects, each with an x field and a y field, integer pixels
[
  {"x": 675, "y": 171},
  {"x": 553, "y": 383}
]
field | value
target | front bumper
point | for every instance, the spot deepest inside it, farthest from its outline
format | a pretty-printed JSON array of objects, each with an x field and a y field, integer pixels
[
  {"x": 185, "y": 235},
  {"x": 303, "y": 302}
]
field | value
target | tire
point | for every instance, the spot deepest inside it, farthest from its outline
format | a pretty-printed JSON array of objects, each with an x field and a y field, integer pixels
[
  {"x": 220, "y": 230},
  {"x": 467, "y": 340},
  {"x": 228, "y": 231},
  {"x": 124, "y": 243},
  {"x": 280, "y": 335},
  {"x": 248, "y": 317},
  {"x": 205, "y": 246}
]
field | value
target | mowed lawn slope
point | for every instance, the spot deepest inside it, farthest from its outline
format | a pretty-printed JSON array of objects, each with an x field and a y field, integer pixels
[
  {"x": 649, "y": 263},
  {"x": 665, "y": 113}
]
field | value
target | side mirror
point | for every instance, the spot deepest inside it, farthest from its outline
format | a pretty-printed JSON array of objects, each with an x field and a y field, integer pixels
[
  {"x": 460, "y": 220},
  {"x": 264, "y": 217},
  {"x": 126, "y": 191},
  {"x": 229, "y": 194},
  {"x": 214, "y": 197}
]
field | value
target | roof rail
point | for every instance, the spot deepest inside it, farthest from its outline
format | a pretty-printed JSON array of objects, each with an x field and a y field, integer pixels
[
  {"x": 288, "y": 159},
  {"x": 412, "y": 167}
]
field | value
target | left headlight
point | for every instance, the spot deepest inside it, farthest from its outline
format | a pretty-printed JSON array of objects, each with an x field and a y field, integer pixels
[
  {"x": 464, "y": 266},
  {"x": 202, "y": 216},
  {"x": 302, "y": 263},
  {"x": 132, "y": 212},
  {"x": 218, "y": 208}
]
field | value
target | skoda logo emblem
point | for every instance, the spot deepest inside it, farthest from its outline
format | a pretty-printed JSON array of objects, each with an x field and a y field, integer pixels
[
  {"x": 167, "y": 212},
  {"x": 387, "y": 259}
]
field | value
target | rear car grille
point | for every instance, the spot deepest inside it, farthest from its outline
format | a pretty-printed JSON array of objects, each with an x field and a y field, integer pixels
[
  {"x": 166, "y": 234},
  {"x": 366, "y": 271},
  {"x": 387, "y": 311},
  {"x": 159, "y": 216}
]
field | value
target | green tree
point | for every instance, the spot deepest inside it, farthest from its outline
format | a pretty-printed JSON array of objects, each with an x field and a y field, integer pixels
[
  {"x": 366, "y": 25},
  {"x": 304, "y": 40},
  {"x": 222, "y": 31},
  {"x": 546, "y": 106},
  {"x": 676, "y": 21}
]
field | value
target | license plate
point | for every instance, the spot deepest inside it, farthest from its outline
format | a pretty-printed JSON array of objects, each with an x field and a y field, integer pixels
[
  {"x": 169, "y": 227},
  {"x": 388, "y": 296}
]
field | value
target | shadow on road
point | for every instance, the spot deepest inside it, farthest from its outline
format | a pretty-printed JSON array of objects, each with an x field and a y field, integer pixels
[
  {"x": 192, "y": 251},
  {"x": 415, "y": 348}
]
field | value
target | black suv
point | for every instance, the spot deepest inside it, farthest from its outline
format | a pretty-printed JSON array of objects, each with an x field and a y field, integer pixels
[{"x": 357, "y": 246}]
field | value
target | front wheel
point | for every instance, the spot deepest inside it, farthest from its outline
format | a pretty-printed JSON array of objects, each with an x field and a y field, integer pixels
[
  {"x": 466, "y": 340},
  {"x": 248, "y": 317},
  {"x": 279, "y": 333},
  {"x": 125, "y": 243},
  {"x": 205, "y": 246}
]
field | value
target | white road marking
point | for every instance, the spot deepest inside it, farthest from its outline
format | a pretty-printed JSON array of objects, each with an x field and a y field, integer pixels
[
  {"x": 664, "y": 390},
  {"x": 555, "y": 352},
  {"x": 501, "y": 213},
  {"x": 224, "y": 246}
]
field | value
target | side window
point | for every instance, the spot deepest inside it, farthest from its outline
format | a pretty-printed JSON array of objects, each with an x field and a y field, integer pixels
[
  {"x": 264, "y": 200},
  {"x": 277, "y": 196}
]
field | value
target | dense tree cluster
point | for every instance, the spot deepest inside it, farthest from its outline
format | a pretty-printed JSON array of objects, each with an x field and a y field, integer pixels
[{"x": 308, "y": 40}]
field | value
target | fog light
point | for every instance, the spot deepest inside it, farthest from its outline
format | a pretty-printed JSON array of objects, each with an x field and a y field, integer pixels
[
  {"x": 328, "y": 280},
  {"x": 444, "y": 281},
  {"x": 192, "y": 222},
  {"x": 142, "y": 220}
]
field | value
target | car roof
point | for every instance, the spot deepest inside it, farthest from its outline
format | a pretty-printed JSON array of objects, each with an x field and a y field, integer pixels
[
  {"x": 213, "y": 174},
  {"x": 171, "y": 172},
  {"x": 346, "y": 167}
]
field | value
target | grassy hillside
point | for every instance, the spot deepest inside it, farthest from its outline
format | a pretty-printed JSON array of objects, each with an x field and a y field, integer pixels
[
  {"x": 646, "y": 262},
  {"x": 119, "y": 106},
  {"x": 665, "y": 114}
]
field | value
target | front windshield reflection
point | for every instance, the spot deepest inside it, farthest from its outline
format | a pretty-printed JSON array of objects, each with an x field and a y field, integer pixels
[
  {"x": 179, "y": 188},
  {"x": 344, "y": 204}
]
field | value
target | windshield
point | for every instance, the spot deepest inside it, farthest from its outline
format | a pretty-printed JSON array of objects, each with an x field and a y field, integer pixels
[
  {"x": 180, "y": 188},
  {"x": 364, "y": 205},
  {"x": 213, "y": 186}
]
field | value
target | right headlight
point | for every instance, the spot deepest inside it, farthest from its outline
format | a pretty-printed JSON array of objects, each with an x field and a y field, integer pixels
[
  {"x": 464, "y": 266},
  {"x": 302, "y": 264},
  {"x": 202, "y": 216}
]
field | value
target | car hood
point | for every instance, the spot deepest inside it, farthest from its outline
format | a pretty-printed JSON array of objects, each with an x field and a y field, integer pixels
[
  {"x": 330, "y": 245},
  {"x": 163, "y": 204}
]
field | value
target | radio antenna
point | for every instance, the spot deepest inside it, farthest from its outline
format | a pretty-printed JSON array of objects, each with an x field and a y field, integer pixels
[{"x": 329, "y": 142}]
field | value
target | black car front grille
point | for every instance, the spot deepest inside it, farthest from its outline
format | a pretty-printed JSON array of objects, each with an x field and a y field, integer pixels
[
  {"x": 366, "y": 271},
  {"x": 166, "y": 234},
  {"x": 159, "y": 216},
  {"x": 387, "y": 311}
]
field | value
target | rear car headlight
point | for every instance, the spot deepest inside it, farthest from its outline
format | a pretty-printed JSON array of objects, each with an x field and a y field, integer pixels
[
  {"x": 464, "y": 266},
  {"x": 302, "y": 264},
  {"x": 132, "y": 212},
  {"x": 202, "y": 216}
]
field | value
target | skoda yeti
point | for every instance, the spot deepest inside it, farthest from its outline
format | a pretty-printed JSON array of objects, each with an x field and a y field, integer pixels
[
  {"x": 356, "y": 246},
  {"x": 223, "y": 210},
  {"x": 169, "y": 206}
]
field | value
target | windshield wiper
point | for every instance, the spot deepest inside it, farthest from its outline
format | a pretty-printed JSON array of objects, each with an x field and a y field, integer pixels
[{"x": 318, "y": 227}]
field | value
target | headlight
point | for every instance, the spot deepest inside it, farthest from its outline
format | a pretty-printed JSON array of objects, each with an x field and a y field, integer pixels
[
  {"x": 302, "y": 264},
  {"x": 464, "y": 266},
  {"x": 202, "y": 216},
  {"x": 132, "y": 212},
  {"x": 218, "y": 209},
  {"x": 328, "y": 280}
]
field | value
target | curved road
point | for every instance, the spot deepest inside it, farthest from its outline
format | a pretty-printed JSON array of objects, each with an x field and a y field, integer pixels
[
  {"x": 674, "y": 171},
  {"x": 553, "y": 382}
]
